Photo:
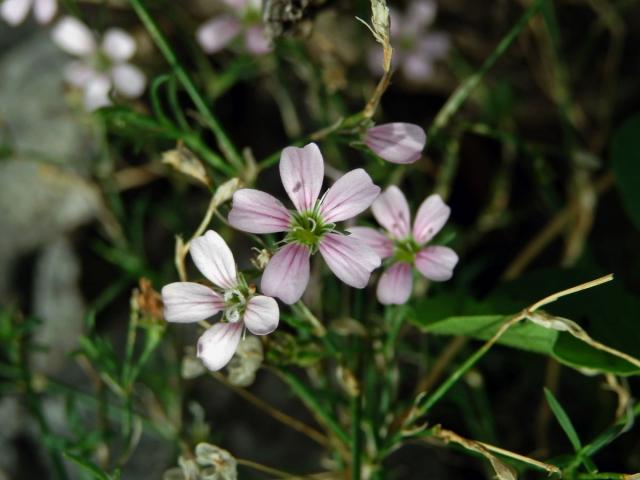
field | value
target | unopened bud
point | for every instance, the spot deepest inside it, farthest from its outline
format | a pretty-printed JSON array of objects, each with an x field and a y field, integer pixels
[
  {"x": 185, "y": 161},
  {"x": 225, "y": 191},
  {"x": 245, "y": 363}
]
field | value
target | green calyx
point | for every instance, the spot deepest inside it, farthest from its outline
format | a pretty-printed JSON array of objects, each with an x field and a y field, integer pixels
[
  {"x": 235, "y": 300},
  {"x": 307, "y": 228},
  {"x": 405, "y": 250}
]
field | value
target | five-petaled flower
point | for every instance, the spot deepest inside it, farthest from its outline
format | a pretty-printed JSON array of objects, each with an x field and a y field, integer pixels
[
  {"x": 405, "y": 246},
  {"x": 312, "y": 227},
  {"x": 102, "y": 67},
  {"x": 14, "y": 12},
  {"x": 188, "y": 302},
  {"x": 243, "y": 18}
]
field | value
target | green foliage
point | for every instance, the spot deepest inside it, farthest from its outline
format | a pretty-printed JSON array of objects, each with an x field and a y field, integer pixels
[{"x": 625, "y": 158}]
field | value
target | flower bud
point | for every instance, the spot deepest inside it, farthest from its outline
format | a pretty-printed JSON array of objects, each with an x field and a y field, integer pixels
[
  {"x": 396, "y": 142},
  {"x": 243, "y": 366},
  {"x": 218, "y": 464}
]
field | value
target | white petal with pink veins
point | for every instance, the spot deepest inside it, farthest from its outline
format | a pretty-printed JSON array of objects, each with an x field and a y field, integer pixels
[
  {"x": 394, "y": 286},
  {"x": 436, "y": 263},
  {"x": 216, "y": 34},
  {"x": 349, "y": 259},
  {"x": 45, "y": 10},
  {"x": 287, "y": 274},
  {"x": 14, "y": 12},
  {"x": 431, "y": 217},
  {"x": 254, "y": 211},
  {"x": 217, "y": 345},
  {"x": 214, "y": 259},
  {"x": 128, "y": 80},
  {"x": 392, "y": 212},
  {"x": 397, "y": 142},
  {"x": 374, "y": 239},
  {"x": 302, "y": 173},
  {"x": 186, "y": 302},
  {"x": 118, "y": 45},
  {"x": 352, "y": 194},
  {"x": 74, "y": 37},
  {"x": 262, "y": 315}
]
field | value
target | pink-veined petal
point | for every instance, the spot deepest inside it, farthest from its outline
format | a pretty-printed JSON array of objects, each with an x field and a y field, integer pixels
[
  {"x": 128, "y": 80},
  {"x": 118, "y": 45},
  {"x": 352, "y": 194},
  {"x": 186, "y": 302},
  {"x": 217, "y": 345},
  {"x": 397, "y": 142},
  {"x": 262, "y": 315},
  {"x": 74, "y": 37},
  {"x": 216, "y": 33},
  {"x": 214, "y": 259},
  {"x": 254, "y": 211},
  {"x": 287, "y": 274},
  {"x": 431, "y": 217},
  {"x": 436, "y": 263},
  {"x": 394, "y": 286},
  {"x": 256, "y": 40},
  {"x": 45, "y": 10},
  {"x": 302, "y": 172},
  {"x": 14, "y": 12},
  {"x": 96, "y": 93},
  {"x": 392, "y": 212},
  {"x": 374, "y": 239},
  {"x": 351, "y": 260}
]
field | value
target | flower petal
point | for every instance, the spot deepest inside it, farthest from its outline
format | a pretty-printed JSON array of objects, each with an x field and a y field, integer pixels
[
  {"x": 217, "y": 345},
  {"x": 351, "y": 260},
  {"x": 214, "y": 259},
  {"x": 96, "y": 92},
  {"x": 254, "y": 211},
  {"x": 431, "y": 217},
  {"x": 257, "y": 41},
  {"x": 302, "y": 172},
  {"x": 15, "y": 11},
  {"x": 392, "y": 212},
  {"x": 215, "y": 34},
  {"x": 118, "y": 45},
  {"x": 45, "y": 10},
  {"x": 79, "y": 73},
  {"x": 418, "y": 69},
  {"x": 186, "y": 302},
  {"x": 74, "y": 37},
  {"x": 287, "y": 273},
  {"x": 397, "y": 142},
  {"x": 352, "y": 194},
  {"x": 420, "y": 14},
  {"x": 262, "y": 315},
  {"x": 436, "y": 263},
  {"x": 394, "y": 286},
  {"x": 128, "y": 80},
  {"x": 379, "y": 242}
]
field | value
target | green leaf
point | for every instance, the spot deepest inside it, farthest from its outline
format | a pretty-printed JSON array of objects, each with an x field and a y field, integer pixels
[
  {"x": 625, "y": 156},
  {"x": 563, "y": 420},
  {"x": 88, "y": 466}
]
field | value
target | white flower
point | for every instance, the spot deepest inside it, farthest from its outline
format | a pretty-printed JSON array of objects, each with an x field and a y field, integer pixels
[
  {"x": 14, "y": 12},
  {"x": 101, "y": 66},
  {"x": 188, "y": 302}
]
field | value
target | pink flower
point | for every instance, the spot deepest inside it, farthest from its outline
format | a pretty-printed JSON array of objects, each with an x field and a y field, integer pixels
[
  {"x": 312, "y": 227},
  {"x": 396, "y": 142},
  {"x": 14, "y": 12},
  {"x": 243, "y": 18},
  {"x": 99, "y": 68},
  {"x": 188, "y": 302},
  {"x": 407, "y": 246},
  {"x": 415, "y": 50}
]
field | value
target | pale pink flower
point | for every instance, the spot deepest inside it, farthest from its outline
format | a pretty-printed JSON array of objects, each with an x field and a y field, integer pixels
[
  {"x": 242, "y": 18},
  {"x": 188, "y": 302},
  {"x": 14, "y": 12},
  {"x": 101, "y": 65},
  {"x": 397, "y": 142},
  {"x": 312, "y": 226},
  {"x": 416, "y": 50},
  {"x": 406, "y": 246}
]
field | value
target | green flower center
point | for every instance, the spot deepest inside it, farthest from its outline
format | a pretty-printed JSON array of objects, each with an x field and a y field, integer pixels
[
  {"x": 235, "y": 301},
  {"x": 405, "y": 250},
  {"x": 307, "y": 228}
]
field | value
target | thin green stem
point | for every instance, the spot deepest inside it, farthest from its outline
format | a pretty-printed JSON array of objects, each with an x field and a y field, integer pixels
[
  {"x": 224, "y": 143},
  {"x": 356, "y": 435}
]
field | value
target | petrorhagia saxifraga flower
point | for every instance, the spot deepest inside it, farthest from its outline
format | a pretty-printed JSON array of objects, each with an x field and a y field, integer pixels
[
  {"x": 188, "y": 302},
  {"x": 405, "y": 246},
  {"x": 312, "y": 227}
]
